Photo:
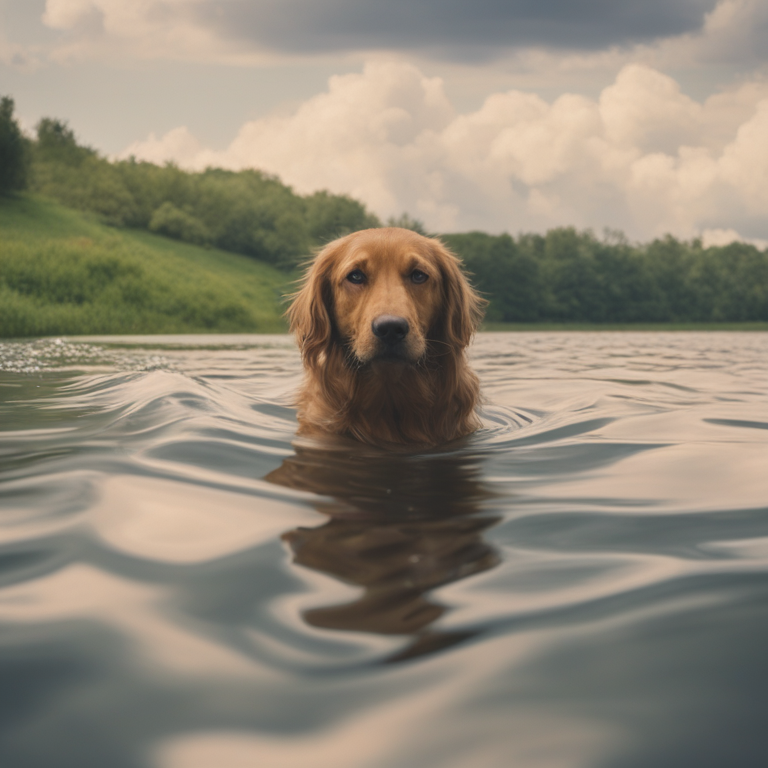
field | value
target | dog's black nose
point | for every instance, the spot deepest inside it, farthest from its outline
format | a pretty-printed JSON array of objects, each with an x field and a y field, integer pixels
[{"x": 390, "y": 329}]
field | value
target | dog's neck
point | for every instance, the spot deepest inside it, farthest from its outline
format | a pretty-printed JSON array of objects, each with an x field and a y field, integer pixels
[{"x": 389, "y": 402}]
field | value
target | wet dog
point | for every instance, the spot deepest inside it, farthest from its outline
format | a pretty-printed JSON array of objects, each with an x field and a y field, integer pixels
[{"x": 383, "y": 320}]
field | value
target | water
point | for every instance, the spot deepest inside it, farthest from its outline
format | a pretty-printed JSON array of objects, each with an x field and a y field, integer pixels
[{"x": 582, "y": 583}]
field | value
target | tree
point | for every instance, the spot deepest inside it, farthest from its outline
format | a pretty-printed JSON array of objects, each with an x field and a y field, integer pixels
[
  {"x": 406, "y": 221},
  {"x": 56, "y": 141},
  {"x": 13, "y": 150},
  {"x": 331, "y": 216},
  {"x": 504, "y": 271}
]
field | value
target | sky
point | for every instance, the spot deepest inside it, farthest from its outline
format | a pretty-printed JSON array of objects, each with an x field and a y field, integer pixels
[{"x": 649, "y": 117}]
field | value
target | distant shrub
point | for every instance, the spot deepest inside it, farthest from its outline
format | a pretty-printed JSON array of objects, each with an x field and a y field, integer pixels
[
  {"x": 405, "y": 221},
  {"x": 171, "y": 221}
]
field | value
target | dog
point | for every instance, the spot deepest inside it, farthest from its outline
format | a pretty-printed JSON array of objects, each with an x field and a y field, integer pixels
[{"x": 382, "y": 319}]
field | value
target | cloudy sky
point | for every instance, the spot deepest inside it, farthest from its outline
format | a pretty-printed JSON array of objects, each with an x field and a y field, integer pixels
[{"x": 649, "y": 116}]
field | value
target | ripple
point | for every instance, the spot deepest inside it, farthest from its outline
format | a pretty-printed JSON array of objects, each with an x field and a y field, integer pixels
[{"x": 182, "y": 582}]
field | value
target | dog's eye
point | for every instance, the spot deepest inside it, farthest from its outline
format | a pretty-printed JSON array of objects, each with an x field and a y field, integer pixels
[
  {"x": 417, "y": 276},
  {"x": 356, "y": 277}
]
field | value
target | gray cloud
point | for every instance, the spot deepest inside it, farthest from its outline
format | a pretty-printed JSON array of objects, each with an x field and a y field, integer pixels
[{"x": 470, "y": 28}]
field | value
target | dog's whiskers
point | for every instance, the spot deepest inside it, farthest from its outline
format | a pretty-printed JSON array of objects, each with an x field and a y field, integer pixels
[{"x": 351, "y": 360}]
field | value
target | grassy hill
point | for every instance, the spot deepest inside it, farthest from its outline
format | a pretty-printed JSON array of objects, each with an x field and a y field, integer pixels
[{"x": 63, "y": 272}]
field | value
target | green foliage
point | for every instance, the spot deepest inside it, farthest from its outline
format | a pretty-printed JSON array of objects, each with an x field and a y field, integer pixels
[
  {"x": 405, "y": 221},
  {"x": 248, "y": 212},
  {"x": 63, "y": 274},
  {"x": 568, "y": 276},
  {"x": 13, "y": 150},
  {"x": 331, "y": 216},
  {"x": 76, "y": 176},
  {"x": 504, "y": 271},
  {"x": 170, "y": 221},
  {"x": 56, "y": 143}
]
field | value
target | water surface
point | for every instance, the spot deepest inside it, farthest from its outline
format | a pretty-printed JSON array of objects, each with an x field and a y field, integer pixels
[{"x": 584, "y": 582}]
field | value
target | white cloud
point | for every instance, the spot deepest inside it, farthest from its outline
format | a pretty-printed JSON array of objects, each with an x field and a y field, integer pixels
[
  {"x": 744, "y": 163},
  {"x": 178, "y": 145},
  {"x": 719, "y": 237},
  {"x": 642, "y": 156},
  {"x": 645, "y": 110},
  {"x": 148, "y": 29}
]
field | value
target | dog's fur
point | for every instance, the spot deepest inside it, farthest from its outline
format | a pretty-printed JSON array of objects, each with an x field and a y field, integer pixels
[{"x": 418, "y": 390}]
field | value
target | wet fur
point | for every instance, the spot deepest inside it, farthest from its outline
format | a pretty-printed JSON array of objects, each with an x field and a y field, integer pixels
[{"x": 427, "y": 399}]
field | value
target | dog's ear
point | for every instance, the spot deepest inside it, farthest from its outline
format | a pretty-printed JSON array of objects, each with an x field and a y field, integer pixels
[
  {"x": 310, "y": 313},
  {"x": 462, "y": 309}
]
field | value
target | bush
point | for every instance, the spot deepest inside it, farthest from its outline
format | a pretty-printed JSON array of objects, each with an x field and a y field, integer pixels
[
  {"x": 405, "y": 221},
  {"x": 171, "y": 221}
]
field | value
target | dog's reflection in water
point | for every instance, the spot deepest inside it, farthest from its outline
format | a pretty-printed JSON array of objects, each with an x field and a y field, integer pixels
[{"x": 399, "y": 526}]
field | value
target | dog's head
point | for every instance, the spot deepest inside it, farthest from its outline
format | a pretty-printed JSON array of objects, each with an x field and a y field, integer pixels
[{"x": 384, "y": 296}]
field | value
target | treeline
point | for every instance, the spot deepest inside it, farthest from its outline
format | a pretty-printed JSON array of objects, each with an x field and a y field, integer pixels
[
  {"x": 247, "y": 212},
  {"x": 563, "y": 276},
  {"x": 571, "y": 276}
]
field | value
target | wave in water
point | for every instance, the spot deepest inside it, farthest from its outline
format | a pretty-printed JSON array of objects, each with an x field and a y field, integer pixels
[{"x": 582, "y": 582}]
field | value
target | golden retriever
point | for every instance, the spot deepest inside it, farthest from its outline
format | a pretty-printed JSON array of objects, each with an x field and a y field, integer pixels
[{"x": 382, "y": 320}]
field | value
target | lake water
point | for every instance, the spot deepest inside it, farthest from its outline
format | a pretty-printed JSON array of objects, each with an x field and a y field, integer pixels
[{"x": 584, "y": 582}]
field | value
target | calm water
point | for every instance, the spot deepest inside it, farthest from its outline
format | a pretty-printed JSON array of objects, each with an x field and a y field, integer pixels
[{"x": 582, "y": 583}]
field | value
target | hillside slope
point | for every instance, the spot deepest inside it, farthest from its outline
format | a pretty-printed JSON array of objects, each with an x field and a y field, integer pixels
[{"x": 63, "y": 272}]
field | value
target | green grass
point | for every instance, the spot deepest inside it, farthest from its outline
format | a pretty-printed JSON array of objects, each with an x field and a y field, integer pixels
[
  {"x": 756, "y": 326},
  {"x": 64, "y": 272}
]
